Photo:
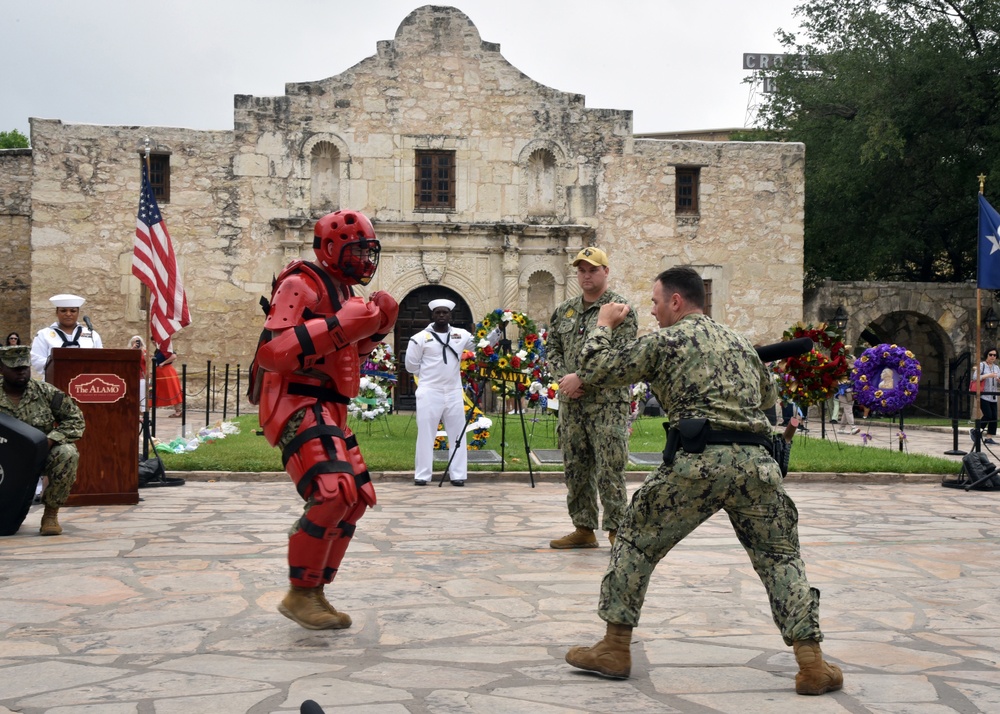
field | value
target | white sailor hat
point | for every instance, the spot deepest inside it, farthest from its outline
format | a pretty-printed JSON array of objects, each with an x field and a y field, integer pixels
[
  {"x": 440, "y": 302},
  {"x": 66, "y": 300}
]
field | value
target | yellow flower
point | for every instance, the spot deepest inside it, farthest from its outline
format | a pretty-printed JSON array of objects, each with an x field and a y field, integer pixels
[
  {"x": 909, "y": 354},
  {"x": 864, "y": 378},
  {"x": 913, "y": 380},
  {"x": 864, "y": 358},
  {"x": 481, "y": 333},
  {"x": 879, "y": 393},
  {"x": 502, "y": 362}
]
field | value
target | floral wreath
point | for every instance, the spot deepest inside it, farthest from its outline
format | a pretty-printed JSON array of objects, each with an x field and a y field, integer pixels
[
  {"x": 812, "y": 378},
  {"x": 524, "y": 356},
  {"x": 867, "y": 374},
  {"x": 380, "y": 363},
  {"x": 378, "y": 374}
]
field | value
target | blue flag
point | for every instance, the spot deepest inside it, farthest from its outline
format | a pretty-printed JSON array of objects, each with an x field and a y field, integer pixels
[{"x": 989, "y": 247}]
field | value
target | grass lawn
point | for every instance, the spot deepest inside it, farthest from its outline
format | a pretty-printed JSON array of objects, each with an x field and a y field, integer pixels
[{"x": 388, "y": 445}]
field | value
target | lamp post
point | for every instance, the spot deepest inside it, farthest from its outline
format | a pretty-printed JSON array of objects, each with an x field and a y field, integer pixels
[
  {"x": 839, "y": 320},
  {"x": 990, "y": 321}
]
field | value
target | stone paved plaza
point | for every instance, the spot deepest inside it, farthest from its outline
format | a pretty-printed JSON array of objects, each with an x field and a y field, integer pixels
[{"x": 459, "y": 606}]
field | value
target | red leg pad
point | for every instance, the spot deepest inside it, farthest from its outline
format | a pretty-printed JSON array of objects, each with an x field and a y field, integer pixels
[
  {"x": 339, "y": 544},
  {"x": 310, "y": 547}
]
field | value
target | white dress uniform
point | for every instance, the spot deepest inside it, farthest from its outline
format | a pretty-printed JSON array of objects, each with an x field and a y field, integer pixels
[
  {"x": 435, "y": 359},
  {"x": 52, "y": 336}
]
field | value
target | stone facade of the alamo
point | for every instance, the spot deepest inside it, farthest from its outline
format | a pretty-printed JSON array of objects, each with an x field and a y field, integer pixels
[{"x": 535, "y": 175}]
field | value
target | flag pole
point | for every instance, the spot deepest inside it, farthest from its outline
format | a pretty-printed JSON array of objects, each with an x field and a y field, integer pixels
[
  {"x": 148, "y": 366},
  {"x": 978, "y": 412}
]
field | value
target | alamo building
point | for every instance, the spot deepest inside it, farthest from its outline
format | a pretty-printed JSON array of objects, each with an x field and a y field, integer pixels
[{"x": 482, "y": 184}]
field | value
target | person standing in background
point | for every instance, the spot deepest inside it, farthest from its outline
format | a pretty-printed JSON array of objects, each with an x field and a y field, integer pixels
[
  {"x": 168, "y": 383},
  {"x": 593, "y": 421}
]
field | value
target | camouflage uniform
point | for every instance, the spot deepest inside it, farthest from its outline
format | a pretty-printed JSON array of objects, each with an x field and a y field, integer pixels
[
  {"x": 62, "y": 427},
  {"x": 700, "y": 369},
  {"x": 593, "y": 430}
]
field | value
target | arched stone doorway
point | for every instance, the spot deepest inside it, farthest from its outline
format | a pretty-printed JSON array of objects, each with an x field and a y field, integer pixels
[
  {"x": 414, "y": 315},
  {"x": 928, "y": 341}
]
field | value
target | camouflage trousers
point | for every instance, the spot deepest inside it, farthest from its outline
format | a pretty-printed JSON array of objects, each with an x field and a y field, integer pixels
[
  {"x": 594, "y": 442},
  {"x": 673, "y": 501},
  {"x": 60, "y": 468}
]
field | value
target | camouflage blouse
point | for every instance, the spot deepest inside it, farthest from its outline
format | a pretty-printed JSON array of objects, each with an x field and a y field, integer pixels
[
  {"x": 570, "y": 326},
  {"x": 697, "y": 368},
  {"x": 64, "y": 426}
]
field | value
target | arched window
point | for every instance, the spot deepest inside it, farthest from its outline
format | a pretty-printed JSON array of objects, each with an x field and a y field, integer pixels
[
  {"x": 541, "y": 174},
  {"x": 324, "y": 193}
]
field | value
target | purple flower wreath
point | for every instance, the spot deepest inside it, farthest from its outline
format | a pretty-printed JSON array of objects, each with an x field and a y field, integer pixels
[{"x": 867, "y": 374}]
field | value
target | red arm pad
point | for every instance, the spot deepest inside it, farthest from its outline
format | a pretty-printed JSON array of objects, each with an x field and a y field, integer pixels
[{"x": 295, "y": 348}]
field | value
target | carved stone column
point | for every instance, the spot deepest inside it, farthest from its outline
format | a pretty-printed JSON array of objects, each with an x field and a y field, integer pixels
[
  {"x": 511, "y": 273},
  {"x": 572, "y": 287}
]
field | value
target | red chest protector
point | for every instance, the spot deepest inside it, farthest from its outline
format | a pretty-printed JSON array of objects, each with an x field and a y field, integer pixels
[{"x": 306, "y": 352}]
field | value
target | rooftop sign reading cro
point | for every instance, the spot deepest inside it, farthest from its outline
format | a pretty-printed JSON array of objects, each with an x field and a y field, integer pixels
[{"x": 757, "y": 60}]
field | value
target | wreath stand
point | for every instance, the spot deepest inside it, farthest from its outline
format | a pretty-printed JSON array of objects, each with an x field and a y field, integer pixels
[{"x": 484, "y": 378}]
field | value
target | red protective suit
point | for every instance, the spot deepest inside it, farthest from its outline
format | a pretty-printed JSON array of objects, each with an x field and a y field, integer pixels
[{"x": 308, "y": 366}]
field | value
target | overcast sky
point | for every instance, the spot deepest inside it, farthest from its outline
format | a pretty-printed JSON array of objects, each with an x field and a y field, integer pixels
[{"x": 677, "y": 64}]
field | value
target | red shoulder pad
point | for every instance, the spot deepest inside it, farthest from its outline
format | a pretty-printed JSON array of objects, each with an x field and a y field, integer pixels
[{"x": 295, "y": 291}]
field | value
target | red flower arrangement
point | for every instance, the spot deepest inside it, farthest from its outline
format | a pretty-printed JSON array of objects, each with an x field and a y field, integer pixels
[{"x": 813, "y": 377}]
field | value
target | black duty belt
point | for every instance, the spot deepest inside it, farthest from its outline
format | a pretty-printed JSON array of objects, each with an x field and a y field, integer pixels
[{"x": 693, "y": 435}]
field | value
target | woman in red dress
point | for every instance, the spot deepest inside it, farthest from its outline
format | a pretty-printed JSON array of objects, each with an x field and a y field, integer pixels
[{"x": 168, "y": 384}]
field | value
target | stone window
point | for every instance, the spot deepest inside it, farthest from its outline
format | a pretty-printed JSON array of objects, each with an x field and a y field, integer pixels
[
  {"x": 708, "y": 297},
  {"x": 687, "y": 190},
  {"x": 541, "y": 175},
  {"x": 159, "y": 176},
  {"x": 435, "y": 180},
  {"x": 324, "y": 189}
]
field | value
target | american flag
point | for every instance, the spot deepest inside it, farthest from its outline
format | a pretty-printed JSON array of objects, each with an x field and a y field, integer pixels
[{"x": 153, "y": 262}]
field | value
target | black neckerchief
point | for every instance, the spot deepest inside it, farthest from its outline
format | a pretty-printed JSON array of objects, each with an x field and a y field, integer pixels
[
  {"x": 445, "y": 347},
  {"x": 75, "y": 342}
]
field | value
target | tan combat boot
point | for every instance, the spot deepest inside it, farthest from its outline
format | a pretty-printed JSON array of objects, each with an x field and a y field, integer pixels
[
  {"x": 611, "y": 536},
  {"x": 305, "y": 606},
  {"x": 580, "y": 538},
  {"x": 815, "y": 676},
  {"x": 50, "y": 522},
  {"x": 344, "y": 617},
  {"x": 610, "y": 657}
]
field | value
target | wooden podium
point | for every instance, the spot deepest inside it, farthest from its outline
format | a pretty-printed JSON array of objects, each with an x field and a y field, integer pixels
[{"x": 105, "y": 383}]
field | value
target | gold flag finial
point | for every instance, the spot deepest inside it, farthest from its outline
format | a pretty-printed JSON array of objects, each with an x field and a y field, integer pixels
[{"x": 982, "y": 182}]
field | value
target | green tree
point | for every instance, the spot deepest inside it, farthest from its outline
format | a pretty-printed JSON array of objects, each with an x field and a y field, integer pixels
[
  {"x": 897, "y": 103},
  {"x": 13, "y": 139}
]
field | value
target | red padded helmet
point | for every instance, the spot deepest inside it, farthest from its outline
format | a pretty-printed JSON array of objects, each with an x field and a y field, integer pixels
[{"x": 346, "y": 246}]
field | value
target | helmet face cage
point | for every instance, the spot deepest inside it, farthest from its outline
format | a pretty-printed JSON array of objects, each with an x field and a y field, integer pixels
[
  {"x": 346, "y": 246},
  {"x": 359, "y": 260}
]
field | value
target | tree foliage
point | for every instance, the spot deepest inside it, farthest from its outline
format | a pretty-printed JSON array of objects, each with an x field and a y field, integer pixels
[
  {"x": 13, "y": 139},
  {"x": 897, "y": 103}
]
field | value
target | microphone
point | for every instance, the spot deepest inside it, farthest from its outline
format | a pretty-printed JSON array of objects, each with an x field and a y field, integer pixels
[
  {"x": 784, "y": 349},
  {"x": 87, "y": 322}
]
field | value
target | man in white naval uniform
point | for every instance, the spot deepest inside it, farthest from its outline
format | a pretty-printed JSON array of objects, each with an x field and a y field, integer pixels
[
  {"x": 64, "y": 332},
  {"x": 434, "y": 357}
]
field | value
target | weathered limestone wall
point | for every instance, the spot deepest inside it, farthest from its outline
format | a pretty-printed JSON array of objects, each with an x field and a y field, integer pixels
[
  {"x": 84, "y": 201},
  {"x": 747, "y": 238},
  {"x": 15, "y": 242},
  {"x": 539, "y": 176}
]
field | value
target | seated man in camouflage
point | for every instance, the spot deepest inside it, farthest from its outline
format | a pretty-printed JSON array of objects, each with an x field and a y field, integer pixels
[{"x": 49, "y": 410}]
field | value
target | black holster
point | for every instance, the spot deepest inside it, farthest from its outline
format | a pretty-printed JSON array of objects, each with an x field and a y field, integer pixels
[{"x": 693, "y": 435}]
